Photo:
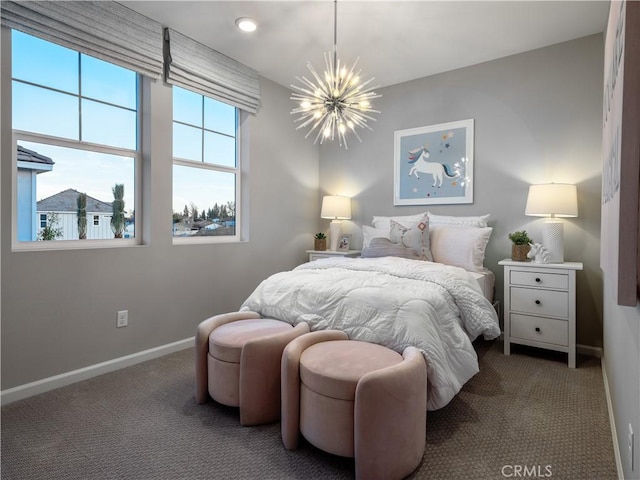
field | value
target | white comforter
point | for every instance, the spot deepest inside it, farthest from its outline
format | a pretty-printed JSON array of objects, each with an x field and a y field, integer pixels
[{"x": 393, "y": 302}]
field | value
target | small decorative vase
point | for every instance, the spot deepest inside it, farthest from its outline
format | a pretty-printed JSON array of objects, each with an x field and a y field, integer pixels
[
  {"x": 320, "y": 244},
  {"x": 519, "y": 252}
]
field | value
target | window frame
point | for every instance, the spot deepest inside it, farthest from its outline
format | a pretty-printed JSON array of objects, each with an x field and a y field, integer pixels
[
  {"x": 18, "y": 135},
  {"x": 202, "y": 164}
]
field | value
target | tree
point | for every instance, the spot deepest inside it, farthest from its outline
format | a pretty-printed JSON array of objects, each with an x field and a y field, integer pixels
[
  {"x": 118, "y": 223},
  {"x": 82, "y": 215},
  {"x": 194, "y": 211},
  {"x": 231, "y": 209},
  {"x": 216, "y": 211},
  {"x": 51, "y": 231},
  {"x": 185, "y": 213}
]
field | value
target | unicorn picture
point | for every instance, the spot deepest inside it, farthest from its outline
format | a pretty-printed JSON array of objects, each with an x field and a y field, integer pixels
[
  {"x": 418, "y": 157},
  {"x": 434, "y": 164}
]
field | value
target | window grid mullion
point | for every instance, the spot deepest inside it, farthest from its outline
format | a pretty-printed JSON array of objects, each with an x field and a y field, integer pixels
[
  {"x": 202, "y": 132},
  {"x": 79, "y": 97}
]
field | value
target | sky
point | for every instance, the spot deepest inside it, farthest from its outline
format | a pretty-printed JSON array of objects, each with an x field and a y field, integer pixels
[{"x": 106, "y": 108}]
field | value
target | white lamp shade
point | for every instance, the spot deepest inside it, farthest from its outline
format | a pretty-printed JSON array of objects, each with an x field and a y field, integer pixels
[
  {"x": 336, "y": 207},
  {"x": 552, "y": 199}
]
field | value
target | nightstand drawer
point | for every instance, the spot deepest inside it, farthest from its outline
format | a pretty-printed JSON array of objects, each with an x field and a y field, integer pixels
[
  {"x": 538, "y": 329},
  {"x": 535, "y": 279},
  {"x": 540, "y": 302},
  {"x": 317, "y": 256}
]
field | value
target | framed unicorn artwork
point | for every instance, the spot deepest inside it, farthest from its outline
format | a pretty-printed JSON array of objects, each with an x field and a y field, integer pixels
[{"x": 434, "y": 165}]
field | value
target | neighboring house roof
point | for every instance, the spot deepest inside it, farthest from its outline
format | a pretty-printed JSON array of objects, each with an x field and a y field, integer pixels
[
  {"x": 26, "y": 155},
  {"x": 67, "y": 201}
]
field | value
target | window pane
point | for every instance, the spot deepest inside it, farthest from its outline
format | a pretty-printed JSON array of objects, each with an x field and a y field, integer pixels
[
  {"x": 211, "y": 194},
  {"x": 75, "y": 171},
  {"x": 44, "y": 63},
  {"x": 187, "y": 142},
  {"x": 219, "y": 149},
  {"x": 219, "y": 117},
  {"x": 108, "y": 125},
  {"x": 187, "y": 106},
  {"x": 44, "y": 111},
  {"x": 109, "y": 83}
]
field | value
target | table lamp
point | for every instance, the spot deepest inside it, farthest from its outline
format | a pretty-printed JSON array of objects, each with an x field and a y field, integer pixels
[
  {"x": 553, "y": 200},
  {"x": 335, "y": 208}
]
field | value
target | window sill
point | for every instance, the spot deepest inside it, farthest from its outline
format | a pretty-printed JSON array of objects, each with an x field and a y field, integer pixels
[{"x": 55, "y": 245}]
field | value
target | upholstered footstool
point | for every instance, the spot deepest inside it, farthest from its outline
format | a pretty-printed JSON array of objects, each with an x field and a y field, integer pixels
[
  {"x": 356, "y": 399},
  {"x": 238, "y": 358}
]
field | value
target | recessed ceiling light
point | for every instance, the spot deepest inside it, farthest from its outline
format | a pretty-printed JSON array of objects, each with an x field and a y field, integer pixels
[{"x": 246, "y": 24}]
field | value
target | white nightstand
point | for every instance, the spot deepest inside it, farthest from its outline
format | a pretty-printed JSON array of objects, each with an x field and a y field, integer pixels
[
  {"x": 540, "y": 306},
  {"x": 316, "y": 254}
]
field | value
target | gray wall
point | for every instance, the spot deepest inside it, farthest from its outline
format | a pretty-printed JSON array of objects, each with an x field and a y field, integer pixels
[
  {"x": 537, "y": 120},
  {"x": 59, "y": 307}
]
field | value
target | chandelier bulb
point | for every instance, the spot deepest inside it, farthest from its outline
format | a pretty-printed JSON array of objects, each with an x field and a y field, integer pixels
[{"x": 338, "y": 103}]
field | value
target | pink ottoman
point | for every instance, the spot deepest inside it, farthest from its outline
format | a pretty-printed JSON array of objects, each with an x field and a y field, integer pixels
[
  {"x": 356, "y": 399},
  {"x": 238, "y": 359}
]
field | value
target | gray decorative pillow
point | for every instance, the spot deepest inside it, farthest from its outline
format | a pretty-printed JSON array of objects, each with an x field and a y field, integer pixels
[
  {"x": 415, "y": 237},
  {"x": 383, "y": 247}
]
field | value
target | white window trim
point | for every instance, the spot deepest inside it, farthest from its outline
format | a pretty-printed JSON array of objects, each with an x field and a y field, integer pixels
[
  {"x": 239, "y": 172},
  {"x": 17, "y": 245}
]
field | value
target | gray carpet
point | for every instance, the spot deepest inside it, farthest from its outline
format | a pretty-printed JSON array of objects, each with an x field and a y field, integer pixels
[{"x": 527, "y": 410}]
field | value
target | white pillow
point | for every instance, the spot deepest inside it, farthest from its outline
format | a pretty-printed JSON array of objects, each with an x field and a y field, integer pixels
[
  {"x": 480, "y": 221},
  {"x": 415, "y": 237},
  {"x": 459, "y": 246},
  {"x": 384, "y": 223},
  {"x": 369, "y": 233}
]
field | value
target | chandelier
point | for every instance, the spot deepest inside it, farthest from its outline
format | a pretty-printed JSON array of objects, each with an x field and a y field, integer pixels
[{"x": 337, "y": 103}]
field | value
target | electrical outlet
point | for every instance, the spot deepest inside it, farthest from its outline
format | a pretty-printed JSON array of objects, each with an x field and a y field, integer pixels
[
  {"x": 630, "y": 442},
  {"x": 122, "y": 319}
]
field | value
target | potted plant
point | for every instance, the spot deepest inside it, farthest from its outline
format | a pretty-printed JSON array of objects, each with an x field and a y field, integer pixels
[
  {"x": 320, "y": 242},
  {"x": 520, "y": 247}
]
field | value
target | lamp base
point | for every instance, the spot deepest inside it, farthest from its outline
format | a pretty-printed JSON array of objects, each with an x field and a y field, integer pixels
[
  {"x": 335, "y": 230},
  {"x": 553, "y": 240}
]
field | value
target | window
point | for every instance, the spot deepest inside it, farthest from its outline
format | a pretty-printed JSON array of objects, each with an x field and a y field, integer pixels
[
  {"x": 206, "y": 174},
  {"x": 75, "y": 121}
]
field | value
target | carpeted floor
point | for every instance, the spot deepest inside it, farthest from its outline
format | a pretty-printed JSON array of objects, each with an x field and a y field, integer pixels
[{"x": 527, "y": 413}]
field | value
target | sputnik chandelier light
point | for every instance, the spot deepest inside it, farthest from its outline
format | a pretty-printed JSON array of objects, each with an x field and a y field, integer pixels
[{"x": 336, "y": 104}]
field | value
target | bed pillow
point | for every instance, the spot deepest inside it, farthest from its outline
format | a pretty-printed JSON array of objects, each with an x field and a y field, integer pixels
[
  {"x": 369, "y": 233},
  {"x": 460, "y": 246},
  {"x": 383, "y": 247},
  {"x": 384, "y": 223},
  {"x": 415, "y": 237},
  {"x": 480, "y": 221}
]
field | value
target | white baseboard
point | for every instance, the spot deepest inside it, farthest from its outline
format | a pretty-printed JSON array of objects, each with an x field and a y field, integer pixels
[
  {"x": 612, "y": 421},
  {"x": 57, "y": 381}
]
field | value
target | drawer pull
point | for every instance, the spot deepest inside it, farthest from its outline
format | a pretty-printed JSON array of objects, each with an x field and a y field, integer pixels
[
  {"x": 538, "y": 302},
  {"x": 538, "y": 280},
  {"x": 538, "y": 329}
]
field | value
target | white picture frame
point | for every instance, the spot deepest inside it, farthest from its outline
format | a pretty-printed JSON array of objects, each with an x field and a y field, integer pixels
[
  {"x": 344, "y": 242},
  {"x": 433, "y": 165}
]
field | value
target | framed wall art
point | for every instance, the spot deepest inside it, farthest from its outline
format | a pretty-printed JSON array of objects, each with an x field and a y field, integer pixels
[{"x": 434, "y": 165}]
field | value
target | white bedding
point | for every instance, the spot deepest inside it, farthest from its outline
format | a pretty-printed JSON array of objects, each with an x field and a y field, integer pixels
[
  {"x": 486, "y": 280},
  {"x": 391, "y": 301}
]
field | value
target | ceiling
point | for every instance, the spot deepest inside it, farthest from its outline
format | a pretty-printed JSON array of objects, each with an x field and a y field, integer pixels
[{"x": 396, "y": 41}]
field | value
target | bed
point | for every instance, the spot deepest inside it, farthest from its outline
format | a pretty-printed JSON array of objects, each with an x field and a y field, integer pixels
[{"x": 395, "y": 300}]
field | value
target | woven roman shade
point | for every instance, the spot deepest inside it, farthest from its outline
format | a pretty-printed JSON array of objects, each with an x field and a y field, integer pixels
[
  {"x": 196, "y": 67},
  {"x": 105, "y": 30}
]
